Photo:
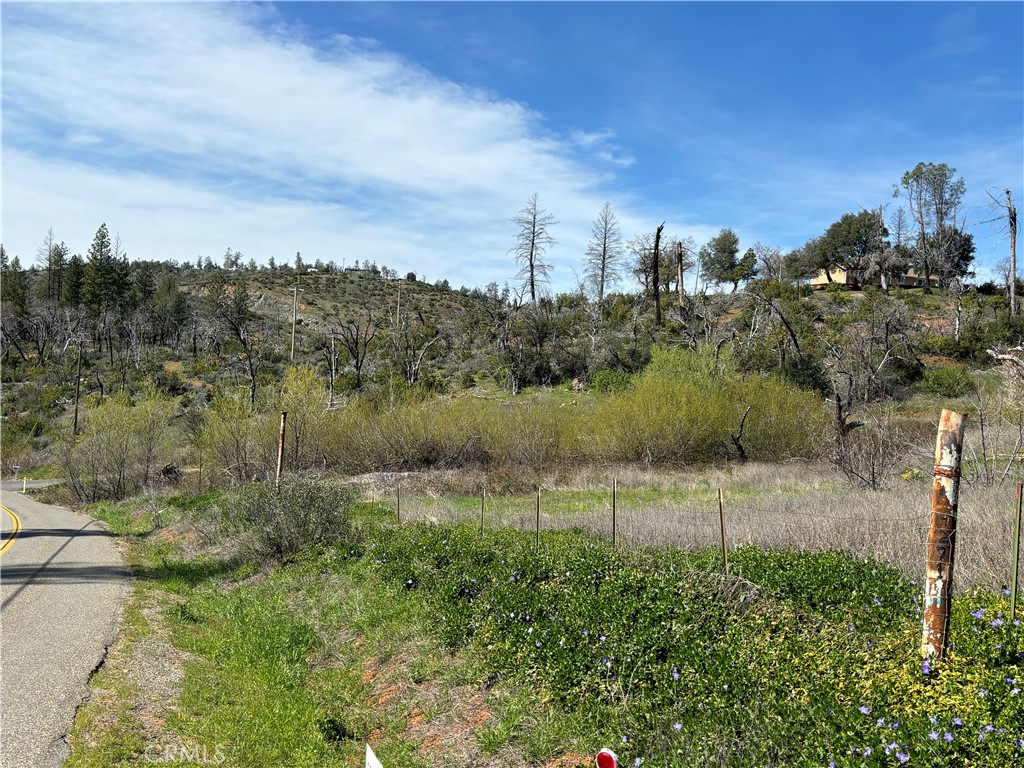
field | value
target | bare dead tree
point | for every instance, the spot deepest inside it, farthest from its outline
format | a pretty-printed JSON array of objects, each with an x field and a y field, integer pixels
[
  {"x": 604, "y": 252},
  {"x": 656, "y": 258},
  {"x": 1010, "y": 218},
  {"x": 356, "y": 337},
  {"x": 533, "y": 239}
]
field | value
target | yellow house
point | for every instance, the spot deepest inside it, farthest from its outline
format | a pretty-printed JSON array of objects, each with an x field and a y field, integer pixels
[{"x": 854, "y": 278}]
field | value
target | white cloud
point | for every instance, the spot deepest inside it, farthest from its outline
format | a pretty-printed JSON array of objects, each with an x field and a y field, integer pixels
[{"x": 189, "y": 128}]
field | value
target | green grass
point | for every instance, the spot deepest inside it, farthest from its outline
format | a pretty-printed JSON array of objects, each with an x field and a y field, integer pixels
[{"x": 570, "y": 648}]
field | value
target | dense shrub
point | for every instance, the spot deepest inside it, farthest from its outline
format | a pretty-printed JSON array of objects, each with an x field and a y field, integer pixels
[
  {"x": 303, "y": 514},
  {"x": 946, "y": 381},
  {"x": 686, "y": 405}
]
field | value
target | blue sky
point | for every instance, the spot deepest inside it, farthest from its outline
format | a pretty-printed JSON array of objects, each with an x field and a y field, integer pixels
[{"x": 411, "y": 133}]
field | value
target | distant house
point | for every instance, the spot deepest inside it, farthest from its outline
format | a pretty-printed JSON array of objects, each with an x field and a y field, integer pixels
[{"x": 855, "y": 279}]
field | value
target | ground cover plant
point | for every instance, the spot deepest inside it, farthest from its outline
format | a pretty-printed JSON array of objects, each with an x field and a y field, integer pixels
[{"x": 793, "y": 658}]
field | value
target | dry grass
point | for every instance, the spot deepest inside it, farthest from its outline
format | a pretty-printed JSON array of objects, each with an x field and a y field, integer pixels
[{"x": 794, "y": 505}]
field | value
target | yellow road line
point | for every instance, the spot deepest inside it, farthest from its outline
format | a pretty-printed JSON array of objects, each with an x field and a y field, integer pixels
[{"x": 15, "y": 530}]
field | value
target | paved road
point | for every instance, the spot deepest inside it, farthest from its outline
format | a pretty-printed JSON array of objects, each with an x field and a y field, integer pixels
[{"x": 63, "y": 584}]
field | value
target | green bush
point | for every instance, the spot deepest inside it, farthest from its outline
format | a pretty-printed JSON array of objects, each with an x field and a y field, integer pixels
[
  {"x": 611, "y": 380},
  {"x": 304, "y": 514},
  {"x": 946, "y": 381}
]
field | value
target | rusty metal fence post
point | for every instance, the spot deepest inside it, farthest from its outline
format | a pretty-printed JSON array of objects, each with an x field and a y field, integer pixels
[{"x": 938, "y": 583}]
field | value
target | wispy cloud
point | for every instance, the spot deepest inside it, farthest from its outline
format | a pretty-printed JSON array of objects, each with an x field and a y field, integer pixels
[{"x": 164, "y": 106}]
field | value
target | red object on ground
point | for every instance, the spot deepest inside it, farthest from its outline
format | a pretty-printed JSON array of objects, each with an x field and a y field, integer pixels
[{"x": 607, "y": 759}]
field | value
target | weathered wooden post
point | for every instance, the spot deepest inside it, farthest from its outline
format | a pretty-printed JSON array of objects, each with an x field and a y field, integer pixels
[
  {"x": 721, "y": 522},
  {"x": 78, "y": 388},
  {"x": 538, "y": 518},
  {"x": 614, "y": 489},
  {"x": 280, "y": 452},
  {"x": 1016, "y": 554},
  {"x": 938, "y": 582}
]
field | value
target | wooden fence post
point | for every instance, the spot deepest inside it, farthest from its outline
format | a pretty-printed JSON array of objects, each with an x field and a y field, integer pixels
[
  {"x": 538, "y": 518},
  {"x": 1016, "y": 554},
  {"x": 614, "y": 489},
  {"x": 280, "y": 453},
  {"x": 938, "y": 583},
  {"x": 721, "y": 520}
]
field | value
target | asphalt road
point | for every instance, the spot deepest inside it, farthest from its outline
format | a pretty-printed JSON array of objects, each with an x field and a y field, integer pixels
[{"x": 63, "y": 585}]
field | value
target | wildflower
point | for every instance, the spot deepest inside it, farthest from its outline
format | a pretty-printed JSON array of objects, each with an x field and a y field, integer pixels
[
  {"x": 876, "y": 601},
  {"x": 957, "y": 722},
  {"x": 880, "y": 722},
  {"x": 677, "y": 726},
  {"x": 867, "y": 751},
  {"x": 926, "y": 668},
  {"x": 1014, "y": 691},
  {"x": 982, "y": 693},
  {"x": 933, "y": 719},
  {"x": 903, "y": 757},
  {"x": 948, "y": 737},
  {"x": 864, "y": 710},
  {"x": 638, "y": 762},
  {"x": 1006, "y": 590},
  {"x": 997, "y": 622},
  {"x": 675, "y": 673},
  {"x": 933, "y": 735},
  {"x": 978, "y": 613}
]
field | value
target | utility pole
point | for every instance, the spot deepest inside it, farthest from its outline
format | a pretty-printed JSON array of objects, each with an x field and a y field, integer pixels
[
  {"x": 295, "y": 310},
  {"x": 1011, "y": 215}
]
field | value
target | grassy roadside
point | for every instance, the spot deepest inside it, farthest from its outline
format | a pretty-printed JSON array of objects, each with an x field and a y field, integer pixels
[
  {"x": 441, "y": 647},
  {"x": 295, "y": 664}
]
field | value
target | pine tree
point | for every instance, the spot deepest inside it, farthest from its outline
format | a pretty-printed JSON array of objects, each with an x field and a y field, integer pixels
[
  {"x": 74, "y": 280},
  {"x": 98, "y": 278}
]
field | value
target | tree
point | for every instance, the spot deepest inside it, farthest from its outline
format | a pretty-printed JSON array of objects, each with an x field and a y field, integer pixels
[
  {"x": 74, "y": 281},
  {"x": 231, "y": 311},
  {"x": 356, "y": 338},
  {"x": 52, "y": 257},
  {"x": 655, "y": 281},
  {"x": 802, "y": 263},
  {"x": 849, "y": 243},
  {"x": 14, "y": 288},
  {"x": 746, "y": 269},
  {"x": 604, "y": 252},
  {"x": 718, "y": 258},
  {"x": 769, "y": 261},
  {"x": 934, "y": 198},
  {"x": 105, "y": 283},
  {"x": 533, "y": 239}
]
